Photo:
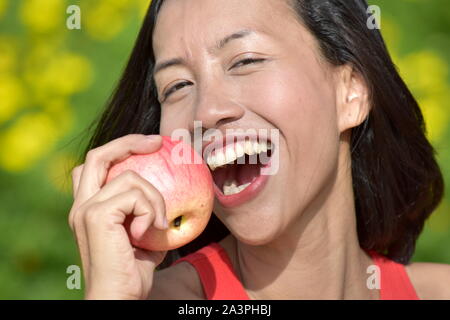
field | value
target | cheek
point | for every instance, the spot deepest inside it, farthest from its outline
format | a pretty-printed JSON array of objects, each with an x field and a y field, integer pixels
[
  {"x": 172, "y": 120},
  {"x": 294, "y": 102},
  {"x": 302, "y": 107}
]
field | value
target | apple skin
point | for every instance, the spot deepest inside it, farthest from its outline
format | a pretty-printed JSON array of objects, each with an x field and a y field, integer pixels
[{"x": 187, "y": 189}]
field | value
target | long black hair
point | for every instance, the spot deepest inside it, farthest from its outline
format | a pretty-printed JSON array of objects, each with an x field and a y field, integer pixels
[{"x": 397, "y": 182}]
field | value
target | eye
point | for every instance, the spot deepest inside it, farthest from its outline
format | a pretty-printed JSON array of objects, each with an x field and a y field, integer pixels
[
  {"x": 181, "y": 85},
  {"x": 174, "y": 88},
  {"x": 246, "y": 62}
]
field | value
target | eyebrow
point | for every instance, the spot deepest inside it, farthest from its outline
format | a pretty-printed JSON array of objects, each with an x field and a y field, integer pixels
[{"x": 219, "y": 46}]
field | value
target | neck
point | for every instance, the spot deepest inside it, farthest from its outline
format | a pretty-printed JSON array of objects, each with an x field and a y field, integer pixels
[{"x": 318, "y": 257}]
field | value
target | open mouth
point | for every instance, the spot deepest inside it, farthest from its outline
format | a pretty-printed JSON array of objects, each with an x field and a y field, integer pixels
[{"x": 236, "y": 166}]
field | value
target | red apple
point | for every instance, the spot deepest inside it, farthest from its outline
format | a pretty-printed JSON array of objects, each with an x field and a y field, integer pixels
[{"x": 187, "y": 189}]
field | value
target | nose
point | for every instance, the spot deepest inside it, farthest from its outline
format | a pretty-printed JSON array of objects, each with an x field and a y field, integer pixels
[{"x": 216, "y": 107}]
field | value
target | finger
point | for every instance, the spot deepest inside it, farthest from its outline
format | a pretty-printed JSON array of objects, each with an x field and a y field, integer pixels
[
  {"x": 99, "y": 160},
  {"x": 111, "y": 213},
  {"x": 76, "y": 174},
  {"x": 90, "y": 219},
  {"x": 131, "y": 180},
  {"x": 105, "y": 230},
  {"x": 79, "y": 231}
]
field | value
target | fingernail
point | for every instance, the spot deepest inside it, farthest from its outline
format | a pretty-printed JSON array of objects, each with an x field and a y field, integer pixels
[
  {"x": 165, "y": 223},
  {"x": 153, "y": 137}
]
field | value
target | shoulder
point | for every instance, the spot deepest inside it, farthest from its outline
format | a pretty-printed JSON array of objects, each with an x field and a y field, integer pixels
[
  {"x": 178, "y": 282},
  {"x": 431, "y": 280}
]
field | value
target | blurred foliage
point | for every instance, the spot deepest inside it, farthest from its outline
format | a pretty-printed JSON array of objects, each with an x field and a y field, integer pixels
[{"x": 54, "y": 82}]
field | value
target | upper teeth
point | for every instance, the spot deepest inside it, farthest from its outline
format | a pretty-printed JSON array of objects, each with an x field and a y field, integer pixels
[{"x": 231, "y": 152}]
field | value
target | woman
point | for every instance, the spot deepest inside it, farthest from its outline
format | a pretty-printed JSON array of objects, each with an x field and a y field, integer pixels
[{"x": 356, "y": 181}]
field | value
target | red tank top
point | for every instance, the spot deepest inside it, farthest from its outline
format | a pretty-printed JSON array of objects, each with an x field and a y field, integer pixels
[{"x": 220, "y": 281}]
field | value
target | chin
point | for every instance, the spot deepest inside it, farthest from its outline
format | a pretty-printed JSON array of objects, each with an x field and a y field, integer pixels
[{"x": 251, "y": 228}]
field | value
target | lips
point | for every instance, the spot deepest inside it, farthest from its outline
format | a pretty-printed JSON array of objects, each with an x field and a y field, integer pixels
[
  {"x": 246, "y": 194},
  {"x": 236, "y": 168}
]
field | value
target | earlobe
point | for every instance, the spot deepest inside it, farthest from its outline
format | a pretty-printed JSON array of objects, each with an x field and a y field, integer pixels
[{"x": 352, "y": 104}]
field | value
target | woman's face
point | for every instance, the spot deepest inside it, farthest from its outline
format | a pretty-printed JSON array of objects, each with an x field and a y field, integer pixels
[{"x": 288, "y": 88}]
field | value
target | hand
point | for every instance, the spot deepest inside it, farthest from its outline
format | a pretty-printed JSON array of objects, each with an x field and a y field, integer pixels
[{"x": 113, "y": 268}]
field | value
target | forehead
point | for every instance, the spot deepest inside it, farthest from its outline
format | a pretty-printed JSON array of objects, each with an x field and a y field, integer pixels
[{"x": 202, "y": 22}]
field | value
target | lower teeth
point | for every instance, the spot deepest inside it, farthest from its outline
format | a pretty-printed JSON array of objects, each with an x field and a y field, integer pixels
[{"x": 230, "y": 188}]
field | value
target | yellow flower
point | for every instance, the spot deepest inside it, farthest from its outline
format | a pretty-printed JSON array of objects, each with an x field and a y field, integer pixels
[
  {"x": 42, "y": 16},
  {"x": 68, "y": 73},
  {"x": 391, "y": 35},
  {"x": 426, "y": 75},
  {"x": 8, "y": 53},
  {"x": 51, "y": 73},
  {"x": 3, "y": 7},
  {"x": 435, "y": 110},
  {"x": 59, "y": 171},
  {"x": 425, "y": 72},
  {"x": 440, "y": 219},
  {"x": 143, "y": 6},
  {"x": 59, "y": 110},
  {"x": 11, "y": 96},
  {"x": 26, "y": 141},
  {"x": 104, "y": 19}
]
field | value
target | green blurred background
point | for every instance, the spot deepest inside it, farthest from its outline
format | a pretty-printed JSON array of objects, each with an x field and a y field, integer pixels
[{"x": 54, "y": 82}]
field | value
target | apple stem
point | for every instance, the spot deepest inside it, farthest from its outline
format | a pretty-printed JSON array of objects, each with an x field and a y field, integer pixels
[{"x": 177, "y": 221}]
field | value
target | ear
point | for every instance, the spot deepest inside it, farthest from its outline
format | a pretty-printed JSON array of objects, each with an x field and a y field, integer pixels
[{"x": 352, "y": 96}]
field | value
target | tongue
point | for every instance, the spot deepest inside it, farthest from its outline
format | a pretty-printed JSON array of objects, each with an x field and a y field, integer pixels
[
  {"x": 242, "y": 174},
  {"x": 247, "y": 173}
]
